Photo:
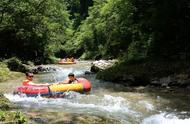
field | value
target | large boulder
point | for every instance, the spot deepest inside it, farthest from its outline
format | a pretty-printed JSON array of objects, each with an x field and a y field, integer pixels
[
  {"x": 179, "y": 80},
  {"x": 14, "y": 64},
  {"x": 102, "y": 65}
]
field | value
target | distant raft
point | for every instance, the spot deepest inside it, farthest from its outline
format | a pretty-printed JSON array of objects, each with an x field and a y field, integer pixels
[
  {"x": 83, "y": 86},
  {"x": 66, "y": 63},
  {"x": 63, "y": 61}
]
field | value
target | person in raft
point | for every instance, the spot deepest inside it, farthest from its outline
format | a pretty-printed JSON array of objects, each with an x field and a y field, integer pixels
[
  {"x": 72, "y": 59},
  {"x": 71, "y": 79},
  {"x": 29, "y": 79}
]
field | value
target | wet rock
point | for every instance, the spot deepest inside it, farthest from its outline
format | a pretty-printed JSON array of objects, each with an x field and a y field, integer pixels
[
  {"x": 81, "y": 119},
  {"x": 155, "y": 82},
  {"x": 102, "y": 65},
  {"x": 88, "y": 72},
  {"x": 40, "y": 120},
  {"x": 131, "y": 80},
  {"x": 94, "y": 68},
  {"x": 181, "y": 80},
  {"x": 143, "y": 73},
  {"x": 165, "y": 81},
  {"x": 42, "y": 69},
  {"x": 182, "y": 76}
]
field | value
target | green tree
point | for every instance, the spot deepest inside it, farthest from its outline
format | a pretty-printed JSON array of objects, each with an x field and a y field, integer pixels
[{"x": 32, "y": 29}]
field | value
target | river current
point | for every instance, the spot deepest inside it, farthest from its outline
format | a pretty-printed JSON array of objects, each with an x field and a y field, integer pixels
[{"x": 107, "y": 103}]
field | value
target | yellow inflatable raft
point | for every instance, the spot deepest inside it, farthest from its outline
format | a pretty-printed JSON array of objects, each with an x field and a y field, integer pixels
[{"x": 82, "y": 85}]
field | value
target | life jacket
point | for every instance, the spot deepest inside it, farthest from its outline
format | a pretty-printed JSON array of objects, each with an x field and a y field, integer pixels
[{"x": 26, "y": 82}]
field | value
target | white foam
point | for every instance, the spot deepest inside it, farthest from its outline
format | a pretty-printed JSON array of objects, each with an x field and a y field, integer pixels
[
  {"x": 164, "y": 118},
  {"x": 147, "y": 105},
  {"x": 66, "y": 71},
  {"x": 106, "y": 103},
  {"x": 61, "y": 74}
]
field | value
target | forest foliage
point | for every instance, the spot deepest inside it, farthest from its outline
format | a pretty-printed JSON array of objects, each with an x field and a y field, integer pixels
[{"x": 39, "y": 30}]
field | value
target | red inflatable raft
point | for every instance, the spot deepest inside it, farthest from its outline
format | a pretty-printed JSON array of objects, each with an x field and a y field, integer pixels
[
  {"x": 83, "y": 86},
  {"x": 33, "y": 89}
]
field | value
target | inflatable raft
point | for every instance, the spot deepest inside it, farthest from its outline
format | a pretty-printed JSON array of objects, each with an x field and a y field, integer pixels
[
  {"x": 66, "y": 63},
  {"x": 63, "y": 61},
  {"x": 55, "y": 90}
]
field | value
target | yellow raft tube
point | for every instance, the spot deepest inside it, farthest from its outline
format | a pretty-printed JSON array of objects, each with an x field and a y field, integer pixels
[{"x": 83, "y": 85}]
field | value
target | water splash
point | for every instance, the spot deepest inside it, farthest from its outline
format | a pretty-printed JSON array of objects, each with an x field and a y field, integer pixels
[
  {"x": 147, "y": 105},
  {"x": 75, "y": 100},
  {"x": 60, "y": 74},
  {"x": 165, "y": 118}
]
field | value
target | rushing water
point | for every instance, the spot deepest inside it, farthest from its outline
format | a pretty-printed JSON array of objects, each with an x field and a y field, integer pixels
[{"x": 107, "y": 103}]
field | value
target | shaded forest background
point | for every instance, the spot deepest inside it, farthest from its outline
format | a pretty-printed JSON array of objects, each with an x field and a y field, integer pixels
[{"x": 43, "y": 30}]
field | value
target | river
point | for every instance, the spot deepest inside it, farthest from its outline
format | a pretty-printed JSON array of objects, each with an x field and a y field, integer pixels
[{"x": 107, "y": 103}]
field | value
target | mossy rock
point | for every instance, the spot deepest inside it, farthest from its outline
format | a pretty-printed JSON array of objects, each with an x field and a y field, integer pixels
[
  {"x": 5, "y": 104},
  {"x": 6, "y": 74},
  {"x": 14, "y": 64},
  {"x": 141, "y": 73}
]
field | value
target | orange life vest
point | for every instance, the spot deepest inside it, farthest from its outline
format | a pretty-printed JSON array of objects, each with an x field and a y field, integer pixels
[{"x": 26, "y": 82}]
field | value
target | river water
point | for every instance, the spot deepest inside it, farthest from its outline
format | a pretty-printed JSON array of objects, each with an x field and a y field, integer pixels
[{"x": 107, "y": 103}]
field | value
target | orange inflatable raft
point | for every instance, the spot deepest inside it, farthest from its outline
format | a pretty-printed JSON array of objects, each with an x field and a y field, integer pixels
[
  {"x": 63, "y": 61},
  {"x": 66, "y": 63}
]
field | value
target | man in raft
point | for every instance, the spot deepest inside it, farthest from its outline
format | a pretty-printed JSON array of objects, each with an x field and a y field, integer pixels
[
  {"x": 29, "y": 79},
  {"x": 71, "y": 79}
]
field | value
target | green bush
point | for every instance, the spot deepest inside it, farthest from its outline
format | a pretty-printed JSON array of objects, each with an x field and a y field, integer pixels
[
  {"x": 12, "y": 117},
  {"x": 19, "y": 117},
  {"x": 14, "y": 64},
  {"x": 2, "y": 116},
  {"x": 51, "y": 60},
  {"x": 4, "y": 72}
]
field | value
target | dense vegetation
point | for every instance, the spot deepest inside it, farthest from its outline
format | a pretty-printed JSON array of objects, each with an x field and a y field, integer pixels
[
  {"x": 32, "y": 30},
  {"x": 41, "y": 30},
  {"x": 135, "y": 28},
  {"x": 141, "y": 33}
]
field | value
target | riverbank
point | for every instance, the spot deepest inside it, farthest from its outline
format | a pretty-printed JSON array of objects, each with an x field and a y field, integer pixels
[
  {"x": 6, "y": 74},
  {"x": 159, "y": 73},
  {"x": 7, "y": 115}
]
